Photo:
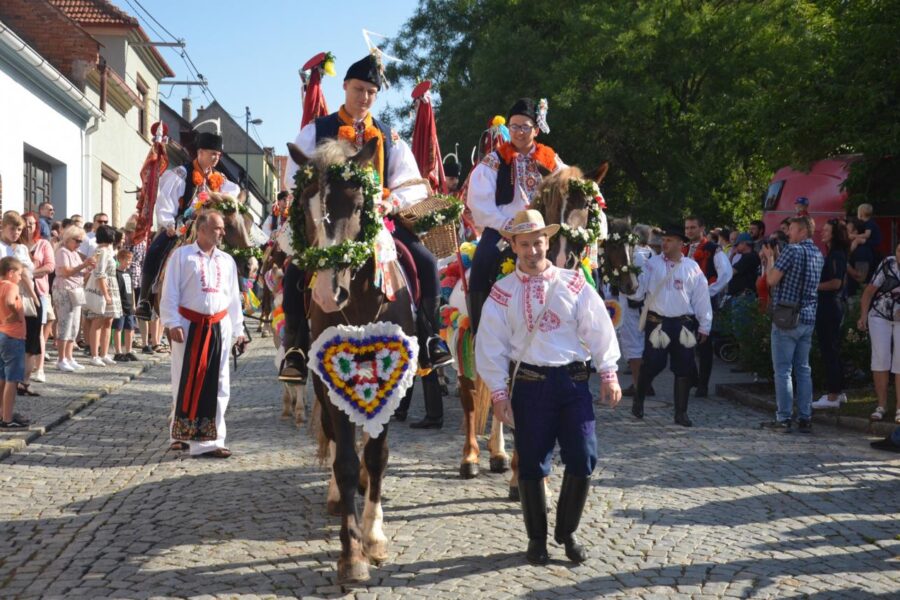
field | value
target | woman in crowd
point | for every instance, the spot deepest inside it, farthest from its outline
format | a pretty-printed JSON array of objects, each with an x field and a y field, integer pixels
[
  {"x": 10, "y": 231},
  {"x": 68, "y": 294},
  {"x": 42, "y": 257},
  {"x": 880, "y": 314},
  {"x": 830, "y": 311},
  {"x": 104, "y": 277}
]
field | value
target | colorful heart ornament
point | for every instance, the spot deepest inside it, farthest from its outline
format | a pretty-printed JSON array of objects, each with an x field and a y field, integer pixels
[{"x": 366, "y": 369}]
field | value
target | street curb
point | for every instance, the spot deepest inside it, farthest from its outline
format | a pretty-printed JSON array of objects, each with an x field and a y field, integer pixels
[
  {"x": 829, "y": 417},
  {"x": 18, "y": 441}
]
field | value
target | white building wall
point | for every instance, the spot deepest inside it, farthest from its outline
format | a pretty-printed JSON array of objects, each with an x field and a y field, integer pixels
[
  {"x": 26, "y": 118},
  {"x": 118, "y": 147}
]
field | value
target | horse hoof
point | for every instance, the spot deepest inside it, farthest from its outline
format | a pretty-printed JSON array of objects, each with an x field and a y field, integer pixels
[
  {"x": 352, "y": 571},
  {"x": 376, "y": 552},
  {"x": 514, "y": 493},
  {"x": 285, "y": 415},
  {"x": 333, "y": 507},
  {"x": 469, "y": 470},
  {"x": 499, "y": 464}
]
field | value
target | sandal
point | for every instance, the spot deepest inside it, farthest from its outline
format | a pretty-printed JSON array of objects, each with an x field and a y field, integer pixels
[
  {"x": 22, "y": 390},
  {"x": 878, "y": 414},
  {"x": 179, "y": 446}
]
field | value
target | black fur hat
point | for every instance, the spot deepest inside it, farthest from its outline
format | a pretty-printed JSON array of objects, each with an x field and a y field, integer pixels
[
  {"x": 451, "y": 169},
  {"x": 209, "y": 141},
  {"x": 366, "y": 69},
  {"x": 525, "y": 107}
]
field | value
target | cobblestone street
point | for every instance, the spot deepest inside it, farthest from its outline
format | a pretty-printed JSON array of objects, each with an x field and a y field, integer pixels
[{"x": 98, "y": 508}]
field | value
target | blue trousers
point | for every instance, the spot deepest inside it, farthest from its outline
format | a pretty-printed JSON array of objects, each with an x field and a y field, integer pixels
[
  {"x": 556, "y": 409},
  {"x": 680, "y": 359},
  {"x": 484, "y": 263}
]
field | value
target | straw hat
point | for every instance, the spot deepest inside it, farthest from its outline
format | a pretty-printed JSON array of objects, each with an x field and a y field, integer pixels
[{"x": 528, "y": 221}]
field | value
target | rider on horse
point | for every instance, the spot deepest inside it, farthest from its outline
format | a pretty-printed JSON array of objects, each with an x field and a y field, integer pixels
[
  {"x": 503, "y": 184},
  {"x": 396, "y": 167},
  {"x": 176, "y": 194}
]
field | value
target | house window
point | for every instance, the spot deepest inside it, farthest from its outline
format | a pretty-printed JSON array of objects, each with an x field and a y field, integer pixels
[
  {"x": 38, "y": 178},
  {"x": 143, "y": 108},
  {"x": 109, "y": 191}
]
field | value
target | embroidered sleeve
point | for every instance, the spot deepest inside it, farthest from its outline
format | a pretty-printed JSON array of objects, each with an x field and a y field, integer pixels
[
  {"x": 576, "y": 282},
  {"x": 491, "y": 161},
  {"x": 499, "y": 296},
  {"x": 493, "y": 345}
]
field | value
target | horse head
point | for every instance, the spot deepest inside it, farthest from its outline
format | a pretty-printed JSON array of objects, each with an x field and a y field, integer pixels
[
  {"x": 569, "y": 199},
  {"x": 237, "y": 224},
  {"x": 334, "y": 209},
  {"x": 618, "y": 249}
]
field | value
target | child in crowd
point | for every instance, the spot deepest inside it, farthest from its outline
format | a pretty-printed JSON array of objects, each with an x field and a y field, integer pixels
[
  {"x": 12, "y": 341},
  {"x": 125, "y": 325}
]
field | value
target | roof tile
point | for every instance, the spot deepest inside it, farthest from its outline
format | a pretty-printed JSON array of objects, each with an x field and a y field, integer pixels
[{"x": 94, "y": 12}]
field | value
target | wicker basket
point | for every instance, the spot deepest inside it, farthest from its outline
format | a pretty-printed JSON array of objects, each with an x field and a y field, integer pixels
[{"x": 440, "y": 240}]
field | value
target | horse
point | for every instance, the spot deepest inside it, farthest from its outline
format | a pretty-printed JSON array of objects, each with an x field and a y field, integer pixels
[
  {"x": 333, "y": 214},
  {"x": 238, "y": 225},
  {"x": 571, "y": 199}
]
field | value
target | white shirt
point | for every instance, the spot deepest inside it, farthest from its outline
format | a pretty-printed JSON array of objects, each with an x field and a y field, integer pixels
[
  {"x": 202, "y": 283},
  {"x": 685, "y": 293},
  {"x": 723, "y": 270},
  {"x": 19, "y": 251},
  {"x": 481, "y": 197},
  {"x": 402, "y": 167},
  {"x": 171, "y": 189},
  {"x": 574, "y": 327},
  {"x": 89, "y": 246}
]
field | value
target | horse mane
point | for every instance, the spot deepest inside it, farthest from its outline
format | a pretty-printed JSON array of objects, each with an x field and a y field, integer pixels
[
  {"x": 332, "y": 152},
  {"x": 553, "y": 188},
  {"x": 619, "y": 225}
]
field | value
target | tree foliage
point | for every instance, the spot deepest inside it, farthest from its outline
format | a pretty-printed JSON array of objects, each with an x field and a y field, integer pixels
[{"x": 695, "y": 103}]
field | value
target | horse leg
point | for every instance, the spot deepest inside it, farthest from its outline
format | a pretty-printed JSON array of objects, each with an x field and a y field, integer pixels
[
  {"x": 333, "y": 502},
  {"x": 497, "y": 446},
  {"x": 375, "y": 454},
  {"x": 287, "y": 402},
  {"x": 352, "y": 566},
  {"x": 363, "y": 484},
  {"x": 299, "y": 393},
  {"x": 514, "y": 478},
  {"x": 469, "y": 467}
]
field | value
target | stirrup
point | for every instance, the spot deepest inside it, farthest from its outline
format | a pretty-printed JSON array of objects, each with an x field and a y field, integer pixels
[{"x": 290, "y": 377}]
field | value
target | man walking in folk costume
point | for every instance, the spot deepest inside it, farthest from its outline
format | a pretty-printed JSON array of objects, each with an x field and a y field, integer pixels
[
  {"x": 395, "y": 166},
  {"x": 177, "y": 189},
  {"x": 201, "y": 307},
  {"x": 502, "y": 184},
  {"x": 717, "y": 269},
  {"x": 543, "y": 324},
  {"x": 678, "y": 312}
]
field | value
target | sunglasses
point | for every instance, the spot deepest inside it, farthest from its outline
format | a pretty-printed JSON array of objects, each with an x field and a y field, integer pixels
[{"x": 102, "y": 222}]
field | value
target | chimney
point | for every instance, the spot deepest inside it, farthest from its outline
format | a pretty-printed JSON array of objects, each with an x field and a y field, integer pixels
[{"x": 186, "y": 109}]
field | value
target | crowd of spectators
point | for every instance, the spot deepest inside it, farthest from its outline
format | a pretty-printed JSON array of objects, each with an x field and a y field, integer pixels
[
  {"x": 67, "y": 292},
  {"x": 806, "y": 290}
]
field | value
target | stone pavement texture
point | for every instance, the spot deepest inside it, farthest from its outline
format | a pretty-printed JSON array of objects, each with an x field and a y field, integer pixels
[{"x": 98, "y": 508}]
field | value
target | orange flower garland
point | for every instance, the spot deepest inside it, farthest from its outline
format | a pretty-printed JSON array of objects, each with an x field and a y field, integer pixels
[
  {"x": 543, "y": 154},
  {"x": 214, "y": 181}
]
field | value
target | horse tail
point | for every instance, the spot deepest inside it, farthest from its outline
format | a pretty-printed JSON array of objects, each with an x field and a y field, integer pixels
[{"x": 482, "y": 398}]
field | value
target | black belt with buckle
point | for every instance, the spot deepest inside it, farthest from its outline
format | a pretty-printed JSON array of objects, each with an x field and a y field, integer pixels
[
  {"x": 578, "y": 371},
  {"x": 656, "y": 318}
]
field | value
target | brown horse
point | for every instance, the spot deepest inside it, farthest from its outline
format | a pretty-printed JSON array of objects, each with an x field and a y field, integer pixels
[{"x": 332, "y": 209}]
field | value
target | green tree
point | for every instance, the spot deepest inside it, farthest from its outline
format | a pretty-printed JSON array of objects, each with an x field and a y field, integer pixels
[{"x": 695, "y": 103}]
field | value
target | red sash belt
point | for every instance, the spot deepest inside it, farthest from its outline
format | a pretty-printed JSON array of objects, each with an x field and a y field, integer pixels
[{"x": 199, "y": 357}]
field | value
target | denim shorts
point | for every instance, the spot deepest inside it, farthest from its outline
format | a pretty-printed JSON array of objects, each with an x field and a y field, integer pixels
[
  {"x": 125, "y": 323},
  {"x": 12, "y": 358}
]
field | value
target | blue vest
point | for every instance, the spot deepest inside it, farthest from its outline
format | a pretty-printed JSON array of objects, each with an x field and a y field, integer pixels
[{"x": 327, "y": 129}]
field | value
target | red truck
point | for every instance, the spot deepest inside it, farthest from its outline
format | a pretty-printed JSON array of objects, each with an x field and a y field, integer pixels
[{"x": 822, "y": 185}]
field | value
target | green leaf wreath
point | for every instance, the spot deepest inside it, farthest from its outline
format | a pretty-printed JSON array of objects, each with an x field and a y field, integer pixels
[
  {"x": 349, "y": 253},
  {"x": 451, "y": 213}
]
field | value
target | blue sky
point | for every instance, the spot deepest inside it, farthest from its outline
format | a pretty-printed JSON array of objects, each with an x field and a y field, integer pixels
[{"x": 250, "y": 52}]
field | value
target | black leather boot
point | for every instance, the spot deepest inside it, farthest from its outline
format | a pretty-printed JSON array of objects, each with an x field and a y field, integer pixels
[
  {"x": 534, "y": 509},
  {"x": 434, "y": 404},
  {"x": 434, "y": 350},
  {"x": 476, "y": 301},
  {"x": 640, "y": 393},
  {"x": 682, "y": 393},
  {"x": 572, "y": 496}
]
